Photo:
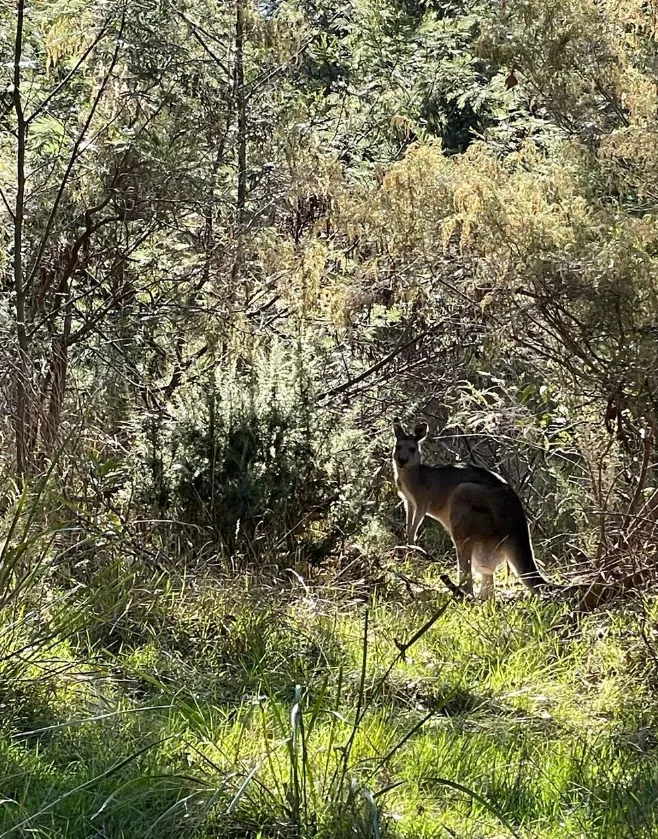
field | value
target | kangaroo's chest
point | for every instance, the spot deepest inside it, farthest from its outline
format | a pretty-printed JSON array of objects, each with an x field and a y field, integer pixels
[
  {"x": 407, "y": 484},
  {"x": 429, "y": 495}
]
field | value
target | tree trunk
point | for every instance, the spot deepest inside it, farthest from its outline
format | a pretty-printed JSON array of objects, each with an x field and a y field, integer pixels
[
  {"x": 241, "y": 109},
  {"x": 23, "y": 390}
]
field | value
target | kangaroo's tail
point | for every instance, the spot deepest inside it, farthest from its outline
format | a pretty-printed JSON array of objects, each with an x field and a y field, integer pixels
[
  {"x": 522, "y": 558},
  {"x": 521, "y": 554}
]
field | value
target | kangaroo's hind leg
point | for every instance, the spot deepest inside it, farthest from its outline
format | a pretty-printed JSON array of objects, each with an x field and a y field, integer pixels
[
  {"x": 487, "y": 587},
  {"x": 461, "y": 531},
  {"x": 464, "y": 567},
  {"x": 487, "y": 557}
]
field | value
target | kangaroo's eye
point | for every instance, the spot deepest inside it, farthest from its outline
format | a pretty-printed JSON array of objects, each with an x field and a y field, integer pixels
[{"x": 412, "y": 451}]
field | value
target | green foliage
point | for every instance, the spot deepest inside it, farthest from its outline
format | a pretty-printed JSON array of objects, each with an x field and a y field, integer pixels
[
  {"x": 255, "y": 470},
  {"x": 252, "y": 480},
  {"x": 412, "y": 169}
]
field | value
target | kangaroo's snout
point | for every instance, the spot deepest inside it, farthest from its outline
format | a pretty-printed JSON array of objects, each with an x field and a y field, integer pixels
[{"x": 406, "y": 453}]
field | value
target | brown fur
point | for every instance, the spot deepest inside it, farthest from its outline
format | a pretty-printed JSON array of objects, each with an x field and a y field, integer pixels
[{"x": 480, "y": 511}]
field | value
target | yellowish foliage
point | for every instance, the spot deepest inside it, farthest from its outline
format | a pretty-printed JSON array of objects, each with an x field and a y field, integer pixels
[
  {"x": 281, "y": 34},
  {"x": 528, "y": 219},
  {"x": 311, "y": 280},
  {"x": 581, "y": 56},
  {"x": 638, "y": 95},
  {"x": 68, "y": 29},
  {"x": 508, "y": 208},
  {"x": 636, "y": 144},
  {"x": 632, "y": 17}
]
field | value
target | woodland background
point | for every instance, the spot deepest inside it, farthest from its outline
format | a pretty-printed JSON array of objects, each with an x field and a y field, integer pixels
[{"x": 237, "y": 239}]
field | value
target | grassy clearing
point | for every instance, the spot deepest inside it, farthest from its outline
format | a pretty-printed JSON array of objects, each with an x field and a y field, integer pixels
[{"x": 230, "y": 708}]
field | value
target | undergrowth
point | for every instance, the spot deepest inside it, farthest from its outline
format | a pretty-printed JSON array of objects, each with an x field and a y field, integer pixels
[
  {"x": 200, "y": 706},
  {"x": 358, "y": 701}
]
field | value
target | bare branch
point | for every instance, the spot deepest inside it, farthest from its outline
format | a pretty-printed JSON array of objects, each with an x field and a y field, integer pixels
[
  {"x": 75, "y": 153},
  {"x": 22, "y": 391},
  {"x": 195, "y": 29},
  {"x": 3, "y": 197},
  {"x": 70, "y": 74},
  {"x": 399, "y": 347}
]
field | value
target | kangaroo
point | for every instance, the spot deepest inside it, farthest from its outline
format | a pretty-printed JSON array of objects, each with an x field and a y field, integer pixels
[{"x": 480, "y": 511}]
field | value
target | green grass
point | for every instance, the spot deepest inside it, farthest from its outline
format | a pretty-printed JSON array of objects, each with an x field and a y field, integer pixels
[{"x": 234, "y": 708}]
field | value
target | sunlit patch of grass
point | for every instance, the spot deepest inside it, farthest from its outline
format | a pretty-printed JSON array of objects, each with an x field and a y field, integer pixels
[{"x": 228, "y": 708}]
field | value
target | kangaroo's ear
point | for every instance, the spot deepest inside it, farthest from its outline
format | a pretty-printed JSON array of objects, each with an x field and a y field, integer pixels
[
  {"x": 397, "y": 427},
  {"x": 420, "y": 431}
]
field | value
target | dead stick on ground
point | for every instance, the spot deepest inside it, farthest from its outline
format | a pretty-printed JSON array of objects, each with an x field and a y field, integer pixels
[{"x": 458, "y": 593}]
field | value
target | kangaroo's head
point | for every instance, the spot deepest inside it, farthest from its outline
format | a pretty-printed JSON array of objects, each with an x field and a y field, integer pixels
[{"x": 406, "y": 451}]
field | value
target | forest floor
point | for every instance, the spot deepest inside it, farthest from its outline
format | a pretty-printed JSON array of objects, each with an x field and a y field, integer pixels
[{"x": 236, "y": 707}]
